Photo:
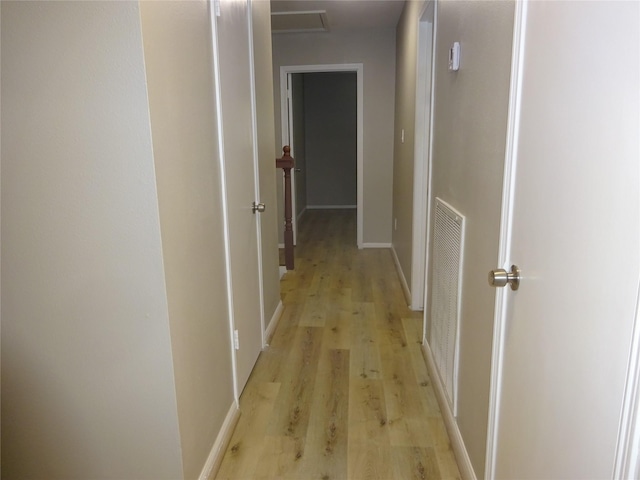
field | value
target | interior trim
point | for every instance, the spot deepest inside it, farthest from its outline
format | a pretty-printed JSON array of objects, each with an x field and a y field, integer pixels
[
  {"x": 273, "y": 323},
  {"x": 403, "y": 280},
  {"x": 457, "y": 443},
  {"x": 214, "y": 460}
]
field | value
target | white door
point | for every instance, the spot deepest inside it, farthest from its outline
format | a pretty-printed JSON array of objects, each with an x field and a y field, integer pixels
[
  {"x": 566, "y": 332},
  {"x": 294, "y": 123},
  {"x": 297, "y": 136},
  {"x": 237, "y": 134}
]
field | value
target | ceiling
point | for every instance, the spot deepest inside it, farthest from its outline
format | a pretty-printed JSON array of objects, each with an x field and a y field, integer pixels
[{"x": 289, "y": 16}]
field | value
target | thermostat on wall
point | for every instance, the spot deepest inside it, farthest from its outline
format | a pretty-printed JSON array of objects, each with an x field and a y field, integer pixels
[{"x": 454, "y": 57}]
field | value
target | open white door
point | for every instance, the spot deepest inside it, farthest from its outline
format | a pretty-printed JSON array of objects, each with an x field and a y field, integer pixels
[
  {"x": 236, "y": 123},
  {"x": 563, "y": 340},
  {"x": 291, "y": 137},
  {"x": 422, "y": 156}
]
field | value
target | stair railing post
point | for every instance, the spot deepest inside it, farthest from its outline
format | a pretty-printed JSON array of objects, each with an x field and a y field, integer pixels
[{"x": 286, "y": 163}]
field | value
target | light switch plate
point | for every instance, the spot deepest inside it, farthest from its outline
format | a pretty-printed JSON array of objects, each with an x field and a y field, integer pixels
[{"x": 454, "y": 57}]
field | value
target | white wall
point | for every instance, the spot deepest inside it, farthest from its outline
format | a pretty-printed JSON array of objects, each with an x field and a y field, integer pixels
[
  {"x": 468, "y": 157},
  {"x": 331, "y": 146},
  {"x": 375, "y": 49},
  {"x": 87, "y": 374},
  {"x": 177, "y": 48}
]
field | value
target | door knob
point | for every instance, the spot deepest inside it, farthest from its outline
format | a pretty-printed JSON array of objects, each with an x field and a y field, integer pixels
[
  {"x": 500, "y": 277},
  {"x": 298, "y": 170},
  {"x": 258, "y": 207}
]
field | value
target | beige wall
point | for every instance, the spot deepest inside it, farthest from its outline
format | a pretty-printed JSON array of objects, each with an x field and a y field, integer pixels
[
  {"x": 87, "y": 373},
  {"x": 331, "y": 147},
  {"x": 178, "y": 59},
  {"x": 375, "y": 49},
  {"x": 468, "y": 153},
  {"x": 261, "y": 18},
  {"x": 468, "y": 157},
  {"x": 115, "y": 354},
  {"x": 405, "y": 116}
]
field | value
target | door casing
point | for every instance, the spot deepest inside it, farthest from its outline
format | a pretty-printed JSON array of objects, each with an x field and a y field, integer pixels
[
  {"x": 422, "y": 157},
  {"x": 285, "y": 72}
]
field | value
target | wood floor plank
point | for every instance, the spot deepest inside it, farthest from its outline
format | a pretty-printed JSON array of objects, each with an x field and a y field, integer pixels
[
  {"x": 409, "y": 431},
  {"x": 413, "y": 329},
  {"x": 368, "y": 422},
  {"x": 246, "y": 443},
  {"x": 337, "y": 332},
  {"x": 365, "y": 344},
  {"x": 368, "y": 461},
  {"x": 413, "y": 332},
  {"x": 342, "y": 391},
  {"x": 287, "y": 326},
  {"x": 280, "y": 458},
  {"x": 314, "y": 313},
  {"x": 401, "y": 389},
  {"x": 268, "y": 368},
  {"x": 389, "y": 325},
  {"x": 361, "y": 284},
  {"x": 325, "y": 454},
  {"x": 414, "y": 463},
  {"x": 294, "y": 401}
]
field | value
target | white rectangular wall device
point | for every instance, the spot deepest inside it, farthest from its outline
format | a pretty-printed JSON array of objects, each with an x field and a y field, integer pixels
[{"x": 454, "y": 57}]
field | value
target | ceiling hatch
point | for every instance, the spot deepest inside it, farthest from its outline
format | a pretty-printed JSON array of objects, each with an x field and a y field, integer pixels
[{"x": 297, "y": 22}]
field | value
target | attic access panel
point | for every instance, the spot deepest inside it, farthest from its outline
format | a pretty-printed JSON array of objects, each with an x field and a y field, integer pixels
[{"x": 298, "y": 22}]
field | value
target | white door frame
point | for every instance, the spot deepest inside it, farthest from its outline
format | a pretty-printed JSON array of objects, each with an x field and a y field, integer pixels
[
  {"x": 284, "y": 116},
  {"x": 504, "y": 249},
  {"x": 627, "y": 463},
  {"x": 223, "y": 185},
  {"x": 425, "y": 77}
]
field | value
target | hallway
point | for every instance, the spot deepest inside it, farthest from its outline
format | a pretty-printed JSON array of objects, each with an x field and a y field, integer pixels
[{"x": 342, "y": 391}]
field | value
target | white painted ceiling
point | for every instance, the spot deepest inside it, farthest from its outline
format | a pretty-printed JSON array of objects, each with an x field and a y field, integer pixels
[{"x": 340, "y": 14}]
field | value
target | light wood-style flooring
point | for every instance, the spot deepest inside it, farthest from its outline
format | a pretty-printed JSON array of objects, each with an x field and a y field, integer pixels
[{"x": 342, "y": 392}]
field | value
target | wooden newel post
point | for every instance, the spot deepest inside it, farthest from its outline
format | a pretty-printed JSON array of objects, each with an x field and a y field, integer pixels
[{"x": 286, "y": 164}]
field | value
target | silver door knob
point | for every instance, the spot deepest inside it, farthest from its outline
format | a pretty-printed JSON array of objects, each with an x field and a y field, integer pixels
[
  {"x": 258, "y": 207},
  {"x": 298, "y": 170},
  {"x": 500, "y": 277}
]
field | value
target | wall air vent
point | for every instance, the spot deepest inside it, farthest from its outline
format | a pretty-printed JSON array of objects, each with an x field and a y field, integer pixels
[
  {"x": 299, "y": 22},
  {"x": 446, "y": 281}
]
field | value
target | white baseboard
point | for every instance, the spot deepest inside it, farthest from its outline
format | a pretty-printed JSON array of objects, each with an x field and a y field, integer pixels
[
  {"x": 376, "y": 245},
  {"x": 457, "y": 443},
  {"x": 273, "y": 323},
  {"x": 212, "y": 465},
  {"x": 403, "y": 280},
  {"x": 282, "y": 270},
  {"x": 330, "y": 207}
]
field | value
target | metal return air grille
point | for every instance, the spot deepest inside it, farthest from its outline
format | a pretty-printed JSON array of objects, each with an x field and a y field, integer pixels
[{"x": 446, "y": 281}]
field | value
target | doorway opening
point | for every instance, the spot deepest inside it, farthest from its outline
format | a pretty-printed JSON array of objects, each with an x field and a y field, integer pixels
[
  {"x": 332, "y": 138},
  {"x": 324, "y": 136}
]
